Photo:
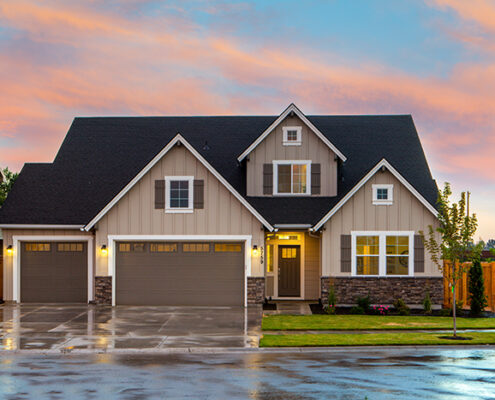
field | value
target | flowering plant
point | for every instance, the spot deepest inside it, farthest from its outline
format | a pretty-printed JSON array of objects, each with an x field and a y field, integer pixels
[{"x": 380, "y": 310}]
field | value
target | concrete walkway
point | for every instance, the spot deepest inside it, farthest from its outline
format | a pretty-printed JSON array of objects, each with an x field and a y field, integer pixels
[{"x": 99, "y": 328}]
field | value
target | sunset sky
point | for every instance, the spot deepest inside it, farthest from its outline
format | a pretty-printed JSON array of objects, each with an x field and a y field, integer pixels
[{"x": 434, "y": 59}]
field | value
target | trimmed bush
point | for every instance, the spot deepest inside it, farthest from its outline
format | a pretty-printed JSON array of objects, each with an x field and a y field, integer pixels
[
  {"x": 477, "y": 289},
  {"x": 364, "y": 303},
  {"x": 427, "y": 303},
  {"x": 401, "y": 307},
  {"x": 357, "y": 310}
]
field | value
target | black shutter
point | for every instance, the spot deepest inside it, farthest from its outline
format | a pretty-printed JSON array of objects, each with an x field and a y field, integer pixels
[
  {"x": 267, "y": 178},
  {"x": 419, "y": 254},
  {"x": 199, "y": 190},
  {"x": 160, "y": 194},
  {"x": 315, "y": 178},
  {"x": 345, "y": 253}
]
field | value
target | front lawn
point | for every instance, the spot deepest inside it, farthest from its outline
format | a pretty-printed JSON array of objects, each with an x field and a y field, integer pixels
[
  {"x": 374, "y": 339},
  {"x": 369, "y": 322}
]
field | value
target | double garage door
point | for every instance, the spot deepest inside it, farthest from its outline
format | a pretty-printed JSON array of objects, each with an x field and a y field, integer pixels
[
  {"x": 179, "y": 273},
  {"x": 146, "y": 273}
]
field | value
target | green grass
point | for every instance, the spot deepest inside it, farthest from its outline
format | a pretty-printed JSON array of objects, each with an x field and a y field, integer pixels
[
  {"x": 369, "y": 322},
  {"x": 374, "y": 339}
]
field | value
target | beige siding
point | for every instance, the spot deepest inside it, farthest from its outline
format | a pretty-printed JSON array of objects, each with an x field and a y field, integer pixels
[
  {"x": 8, "y": 275},
  {"x": 359, "y": 214},
  {"x": 134, "y": 214},
  {"x": 272, "y": 148},
  {"x": 311, "y": 267},
  {"x": 270, "y": 286}
]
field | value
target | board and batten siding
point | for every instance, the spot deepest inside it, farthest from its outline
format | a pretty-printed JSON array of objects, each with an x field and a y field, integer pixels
[
  {"x": 135, "y": 213},
  {"x": 311, "y": 267},
  {"x": 8, "y": 265},
  {"x": 359, "y": 214},
  {"x": 272, "y": 148}
]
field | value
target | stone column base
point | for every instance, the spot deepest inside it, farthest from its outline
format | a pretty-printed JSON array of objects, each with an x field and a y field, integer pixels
[
  {"x": 383, "y": 290},
  {"x": 103, "y": 290},
  {"x": 255, "y": 290}
]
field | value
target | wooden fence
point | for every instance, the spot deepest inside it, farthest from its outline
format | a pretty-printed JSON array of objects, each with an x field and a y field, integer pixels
[{"x": 462, "y": 292}]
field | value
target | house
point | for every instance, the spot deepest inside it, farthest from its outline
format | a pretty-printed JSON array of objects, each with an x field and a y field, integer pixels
[{"x": 224, "y": 211}]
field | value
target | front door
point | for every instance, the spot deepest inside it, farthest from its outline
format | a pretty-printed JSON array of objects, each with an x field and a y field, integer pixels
[{"x": 289, "y": 271}]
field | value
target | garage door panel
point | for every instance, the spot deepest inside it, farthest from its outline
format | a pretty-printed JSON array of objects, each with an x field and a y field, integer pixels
[
  {"x": 180, "y": 278},
  {"x": 54, "y": 276}
]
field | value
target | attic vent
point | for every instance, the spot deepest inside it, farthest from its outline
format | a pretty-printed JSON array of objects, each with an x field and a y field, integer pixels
[{"x": 205, "y": 146}]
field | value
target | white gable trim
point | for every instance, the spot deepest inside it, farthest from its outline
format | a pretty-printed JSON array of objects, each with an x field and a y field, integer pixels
[
  {"x": 382, "y": 163},
  {"x": 178, "y": 138},
  {"x": 288, "y": 110}
]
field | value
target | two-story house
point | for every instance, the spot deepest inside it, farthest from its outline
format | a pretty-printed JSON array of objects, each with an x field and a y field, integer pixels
[{"x": 224, "y": 211}]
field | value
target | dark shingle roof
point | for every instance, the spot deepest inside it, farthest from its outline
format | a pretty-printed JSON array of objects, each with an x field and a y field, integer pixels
[{"x": 99, "y": 156}]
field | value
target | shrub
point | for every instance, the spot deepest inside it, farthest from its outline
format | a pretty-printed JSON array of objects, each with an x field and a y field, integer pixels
[
  {"x": 445, "y": 312},
  {"x": 357, "y": 310},
  {"x": 427, "y": 303},
  {"x": 364, "y": 303},
  {"x": 477, "y": 289},
  {"x": 332, "y": 300},
  {"x": 330, "y": 309},
  {"x": 401, "y": 307},
  {"x": 380, "y": 310}
]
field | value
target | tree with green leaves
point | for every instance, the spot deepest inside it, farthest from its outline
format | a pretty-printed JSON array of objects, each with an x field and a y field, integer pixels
[
  {"x": 452, "y": 240},
  {"x": 7, "y": 179},
  {"x": 477, "y": 295}
]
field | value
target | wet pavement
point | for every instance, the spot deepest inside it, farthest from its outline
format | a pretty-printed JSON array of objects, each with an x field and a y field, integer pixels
[
  {"x": 424, "y": 373},
  {"x": 97, "y": 328}
]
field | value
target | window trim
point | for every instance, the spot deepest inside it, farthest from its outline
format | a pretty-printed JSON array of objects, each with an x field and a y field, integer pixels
[
  {"x": 286, "y": 141},
  {"x": 176, "y": 210},
  {"x": 382, "y": 257},
  {"x": 380, "y": 202},
  {"x": 276, "y": 163}
]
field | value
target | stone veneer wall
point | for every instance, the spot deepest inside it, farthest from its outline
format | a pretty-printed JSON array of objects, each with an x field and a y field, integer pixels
[
  {"x": 383, "y": 290},
  {"x": 255, "y": 290},
  {"x": 103, "y": 290}
]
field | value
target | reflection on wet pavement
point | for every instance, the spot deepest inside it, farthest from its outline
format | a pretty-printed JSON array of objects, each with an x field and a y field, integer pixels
[
  {"x": 373, "y": 374},
  {"x": 100, "y": 328}
]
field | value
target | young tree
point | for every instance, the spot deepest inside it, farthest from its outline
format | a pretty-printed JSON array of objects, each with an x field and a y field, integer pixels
[
  {"x": 477, "y": 288},
  {"x": 7, "y": 179},
  {"x": 490, "y": 244},
  {"x": 456, "y": 230}
]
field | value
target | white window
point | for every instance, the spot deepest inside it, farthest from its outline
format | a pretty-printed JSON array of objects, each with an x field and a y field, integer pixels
[
  {"x": 382, "y": 253},
  {"x": 179, "y": 194},
  {"x": 292, "y": 177},
  {"x": 291, "y": 135},
  {"x": 383, "y": 195}
]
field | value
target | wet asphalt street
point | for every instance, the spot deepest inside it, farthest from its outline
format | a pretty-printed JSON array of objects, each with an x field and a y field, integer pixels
[{"x": 342, "y": 374}]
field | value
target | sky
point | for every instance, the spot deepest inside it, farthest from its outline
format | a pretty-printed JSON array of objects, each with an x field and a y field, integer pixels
[{"x": 433, "y": 59}]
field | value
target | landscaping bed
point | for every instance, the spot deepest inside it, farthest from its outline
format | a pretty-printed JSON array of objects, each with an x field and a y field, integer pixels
[
  {"x": 374, "y": 339},
  {"x": 370, "y": 322}
]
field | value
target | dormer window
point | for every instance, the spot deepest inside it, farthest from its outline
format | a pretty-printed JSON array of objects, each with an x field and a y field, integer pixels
[
  {"x": 292, "y": 135},
  {"x": 383, "y": 195}
]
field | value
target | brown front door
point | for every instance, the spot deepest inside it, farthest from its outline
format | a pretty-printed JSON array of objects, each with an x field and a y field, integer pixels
[{"x": 289, "y": 271}]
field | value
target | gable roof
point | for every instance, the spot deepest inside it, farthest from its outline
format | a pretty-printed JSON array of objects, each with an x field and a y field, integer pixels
[
  {"x": 101, "y": 155},
  {"x": 291, "y": 109},
  {"x": 178, "y": 139}
]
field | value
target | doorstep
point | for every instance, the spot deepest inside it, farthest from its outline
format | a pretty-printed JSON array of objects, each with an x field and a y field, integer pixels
[{"x": 290, "y": 307}]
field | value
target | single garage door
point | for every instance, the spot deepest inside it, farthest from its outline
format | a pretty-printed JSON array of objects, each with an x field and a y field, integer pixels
[
  {"x": 178, "y": 273},
  {"x": 54, "y": 272}
]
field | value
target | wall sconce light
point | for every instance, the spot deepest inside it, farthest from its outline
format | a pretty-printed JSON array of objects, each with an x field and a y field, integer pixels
[
  {"x": 255, "y": 250},
  {"x": 104, "y": 250},
  {"x": 10, "y": 250}
]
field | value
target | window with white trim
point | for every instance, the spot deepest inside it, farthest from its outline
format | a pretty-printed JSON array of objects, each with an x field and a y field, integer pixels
[
  {"x": 292, "y": 135},
  {"x": 382, "y": 253},
  {"x": 179, "y": 194},
  {"x": 383, "y": 194},
  {"x": 291, "y": 177}
]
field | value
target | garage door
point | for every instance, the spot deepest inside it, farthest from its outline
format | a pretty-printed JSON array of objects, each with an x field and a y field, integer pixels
[
  {"x": 54, "y": 272},
  {"x": 177, "y": 273}
]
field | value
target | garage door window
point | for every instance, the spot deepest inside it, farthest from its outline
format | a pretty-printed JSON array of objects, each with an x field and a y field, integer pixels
[
  {"x": 134, "y": 247},
  {"x": 228, "y": 247},
  {"x": 63, "y": 247},
  {"x": 163, "y": 247},
  {"x": 196, "y": 247},
  {"x": 38, "y": 247}
]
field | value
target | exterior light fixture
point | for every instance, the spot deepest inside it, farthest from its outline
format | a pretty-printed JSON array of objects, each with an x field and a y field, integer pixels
[
  {"x": 255, "y": 250},
  {"x": 10, "y": 250},
  {"x": 104, "y": 250}
]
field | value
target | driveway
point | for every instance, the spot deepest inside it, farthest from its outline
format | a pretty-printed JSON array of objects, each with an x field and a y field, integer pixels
[{"x": 100, "y": 328}]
